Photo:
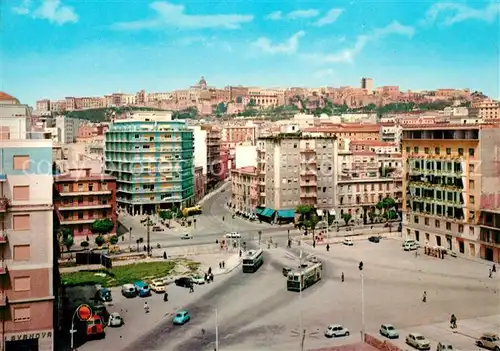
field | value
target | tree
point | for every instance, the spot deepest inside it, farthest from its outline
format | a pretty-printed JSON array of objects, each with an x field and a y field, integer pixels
[
  {"x": 391, "y": 215},
  {"x": 99, "y": 240},
  {"x": 84, "y": 244},
  {"x": 371, "y": 215},
  {"x": 304, "y": 211},
  {"x": 68, "y": 242},
  {"x": 166, "y": 215},
  {"x": 102, "y": 226},
  {"x": 113, "y": 239},
  {"x": 347, "y": 218}
]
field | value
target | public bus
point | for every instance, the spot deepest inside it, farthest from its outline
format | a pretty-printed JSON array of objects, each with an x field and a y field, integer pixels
[
  {"x": 253, "y": 260},
  {"x": 191, "y": 211},
  {"x": 304, "y": 277}
]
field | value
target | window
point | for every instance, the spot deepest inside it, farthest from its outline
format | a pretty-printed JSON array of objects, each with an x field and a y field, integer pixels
[
  {"x": 426, "y": 221},
  {"x": 408, "y": 149},
  {"x": 22, "y": 314},
  {"x": 460, "y": 151},
  {"x": 22, "y": 252},
  {"x": 21, "y": 193},
  {"x": 426, "y": 150},
  {"x": 21, "y": 162},
  {"x": 437, "y": 151},
  {"x": 448, "y": 150},
  {"x": 21, "y": 222},
  {"x": 415, "y": 149},
  {"x": 471, "y": 152},
  {"x": 415, "y": 219},
  {"x": 471, "y": 199},
  {"x": 471, "y": 185},
  {"x": 471, "y": 230},
  {"x": 448, "y": 226},
  {"x": 22, "y": 284},
  {"x": 460, "y": 228},
  {"x": 437, "y": 223}
]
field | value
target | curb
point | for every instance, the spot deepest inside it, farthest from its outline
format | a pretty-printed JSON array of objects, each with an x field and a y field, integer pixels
[{"x": 229, "y": 270}]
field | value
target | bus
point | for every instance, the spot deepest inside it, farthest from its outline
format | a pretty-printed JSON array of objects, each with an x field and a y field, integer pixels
[
  {"x": 304, "y": 277},
  {"x": 253, "y": 260},
  {"x": 191, "y": 211}
]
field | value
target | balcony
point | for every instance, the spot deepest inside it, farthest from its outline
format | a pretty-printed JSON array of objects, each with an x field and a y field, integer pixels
[
  {"x": 3, "y": 237},
  {"x": 310, "y": 182},
  {"x": 84, "y": 207},
  {"x": 4, "y": 203},
  {"x": 308, "y": 195},
  {"x": 307, "y": 151},
  {"x": 68, "y": 221},
  {"x": 3, "y": 299},
  {"x": 86, "y": 192},
  {"x": 309, "y": 161}
]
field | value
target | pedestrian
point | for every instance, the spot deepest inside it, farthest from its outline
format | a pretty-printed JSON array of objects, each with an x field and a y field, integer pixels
[
  {"x": 494, "y": 269},
  {"x": 240, "y": 253},
  {"x": 164, "y": 255},
  {"x": 342, "y": 277},
  {"x": 145, "y": 248},
  {"x": 191, "y": 287},
  {"x": 223, "y": 218},
  {"x": 220, "y": 265},
  {"x": 314, "y": 243},
  {"x": 223, "y": 264},
  {"x": 209, "y": 270},
  {"x": 424, "y": 297},
  {"x": 211, "y": 277},
  {"x": 206, "y": 277},
  {"x": 491, "y": 274},
  {"x": 327, "y": 247},
  {"x": 453, "y": 321}
]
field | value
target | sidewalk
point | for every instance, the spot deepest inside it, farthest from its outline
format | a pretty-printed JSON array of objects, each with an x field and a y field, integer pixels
[{"x": 338, "y": 239}]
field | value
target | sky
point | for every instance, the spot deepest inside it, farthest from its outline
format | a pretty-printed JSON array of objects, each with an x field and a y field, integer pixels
[{"x": 58, "y": 48}]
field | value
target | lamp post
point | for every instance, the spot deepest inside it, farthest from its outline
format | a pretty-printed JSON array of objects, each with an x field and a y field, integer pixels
[
  {"x": 84, "y": 313},
  {"x": 362, "y": 302},
  {"x": 216, "y": 331},
  {"x": 129, "y": 238},
  {"x": 148, "y": 232}
]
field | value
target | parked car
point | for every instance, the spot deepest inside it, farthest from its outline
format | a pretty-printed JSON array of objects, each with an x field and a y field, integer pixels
[
  {"x": 104, "y": 295},
  {"x": 233, "y": 235},
  {"x": 184, "y": 282},
  {"x": 418, "y": 341},
  {"x": 410, "y": 246},
  {"x": 186, "y": 236},
  {"x": 389, "y": 331},
  {"x": 115, "y": 320},
  {"x": 374, "y": 239},
  {"x": 489, "y": 341},
  {"x": 198, "y": 279},
  {"x": 348, "y": 242},
  {"x": 181, "y": 317},
  {"x": 286, "y": 270},
  {"x": 128, "y": 290},
  {"x": 142, "y": 288},
  {"x": 157, "y": 229},
  {"x": 335, "y": 330},
  {"x": 158, "y": 286},
  {"x": 444, "y": 347}
]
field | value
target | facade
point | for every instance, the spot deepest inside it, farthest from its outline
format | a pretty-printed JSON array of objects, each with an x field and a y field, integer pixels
[
  {"x": 485, "y": 110},
  {"x": 367, "y": 83},
  {"x": 213, "y": 156},
  {"x": 244, "y": 189},
  {"x": 82, "y": 198},
  {"x": 451, "y": 174},
  {"x": 200, "y": 184},
  {"x": 231, "y": 136},
  {"x": 26, "y": 245},
  {"x": 151, "y": 157},
  {"x": 489, "y": 237},
  {"x": 68, "y": 128},
  {"x": 14, "y": 118},
  {"x": 295, "y": 170}
]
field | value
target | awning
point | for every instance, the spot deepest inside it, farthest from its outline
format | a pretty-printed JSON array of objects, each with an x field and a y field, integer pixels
[
  {"x": 267, "y": 212},
  {"x": 320, "y": 213},
  {"x": 259, "y": 210},
  {"x": 286, "y": 213}
]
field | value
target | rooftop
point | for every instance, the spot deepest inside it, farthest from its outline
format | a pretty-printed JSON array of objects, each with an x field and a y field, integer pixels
[
  {"x": 372, "y": 143},
  {"x": 248, "y": 169},
  {"x": 6, "y": 97}
]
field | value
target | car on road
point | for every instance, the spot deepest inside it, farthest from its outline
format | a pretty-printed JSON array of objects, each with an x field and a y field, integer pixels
[
  {"x": 186, "y": 236},
  {"x": 128, "y": 290},
  {"x": 389, "y": 331},
  {"x": 374, "y": 239},
  {"x": 184, "y": 282},
  {"x": 142, "y": 288},
  {"x": 233, "y": 235},
  {"x": 489, "y": 341},
  {"x": 181, "y": 317},
  {"x": 158, "y": 285},
  {"x": 198, "y": 279},
  {"x": 445, "y": 347},
  {"x": 348, "y": 242},
  {"x": 115, "y": 320},
  {"x": 418, "y": 341},
  {"x": 410, "y": 246},
  {"x": 157, "y": 228},
  {"x": 335, "y": 330}
]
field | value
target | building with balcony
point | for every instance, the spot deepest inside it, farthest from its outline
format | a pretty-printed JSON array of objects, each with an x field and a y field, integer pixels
[
  {"x": 451, "y": 173},
  {"x": 485, "y": 110},
  {"x": 295, "y": 169},
  {"x": 200, "y": 184},
  {"x": 151, "y": 156},
  {"x": 489, "y": 236},
  {"x": 244, "y": 189},
  {"x": 81, "y": 198},
  {"x": 213, "y": 155},
  {"x": 26, "y": 245}
]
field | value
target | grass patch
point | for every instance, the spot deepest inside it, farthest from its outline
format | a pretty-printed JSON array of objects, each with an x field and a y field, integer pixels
[
  {"x": 192, "y": 265},
  {"x": 120, "y": 275}
]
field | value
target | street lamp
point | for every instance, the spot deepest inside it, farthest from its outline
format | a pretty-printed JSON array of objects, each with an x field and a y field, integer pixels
[
  {"x": 360, "y": 267},
  {"x": 84, "y": 312},
  {"x": 129, "y": 238},
  {"x": 216, "y": 331}
]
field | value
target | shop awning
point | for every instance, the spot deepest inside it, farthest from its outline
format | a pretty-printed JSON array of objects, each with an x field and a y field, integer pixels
[
  {"x": 286, "y": 213},
  {"x": 267, "y": 212},
  {"x": 259, "y": 210}
]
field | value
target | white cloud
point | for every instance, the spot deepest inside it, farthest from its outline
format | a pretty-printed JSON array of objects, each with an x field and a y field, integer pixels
[
  {"x": 290, "y": 46},
  {"x": 51, "y": 10},
  {"x": 23, "y": 8},
  {"x": 347, "y": 55},
  {"x": 297, "y": 14},
  {"x": 207, "y": 42},
  {"x": 324, "y": 73},
  {"x": 451, "y": 13},
  {"x": 329, "y": 17},
  {"x": 171, "y": 15}
]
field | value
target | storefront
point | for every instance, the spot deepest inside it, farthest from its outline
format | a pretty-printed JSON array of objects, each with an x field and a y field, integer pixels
[{"x": 29, "y": 341}]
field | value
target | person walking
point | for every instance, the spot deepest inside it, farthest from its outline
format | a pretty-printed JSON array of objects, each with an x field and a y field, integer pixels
[
  {"x": 342, "y": 277},
  {"x": 424, "y": 297},
  {"x": 191, "y": 287},
  {"x": 327, "y": 247},
  {"x": 453, "y": 322},
  {"x": 494, "y": 268}
]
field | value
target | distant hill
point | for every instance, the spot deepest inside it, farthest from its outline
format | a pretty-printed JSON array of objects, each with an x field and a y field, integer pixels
[{"x": 104, "y": 114}]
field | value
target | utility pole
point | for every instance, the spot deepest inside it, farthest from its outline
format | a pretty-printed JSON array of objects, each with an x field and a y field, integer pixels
[
  {"x": 148, "y": 225},
  {"x": 129, "y": 238},
  {"x": 327, "y": 227},
  {"x": 362, "y": 302},
  {"x": 216, "y": 331}
]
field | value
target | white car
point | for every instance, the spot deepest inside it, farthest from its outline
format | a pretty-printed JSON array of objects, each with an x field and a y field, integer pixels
[
  {"x": 115, "y": 320},
  {"x": 334, "y": 330},
  {"x": 444, "y": 347},
  {"x": 198, "y": 279},
  {"x": 233, "y": 235},
  {"x": 186, "y": 236},
  {"x": 158, "y": 286},
  {"x": 418, "y": 341},
  {"x": 348, "y": 242}
]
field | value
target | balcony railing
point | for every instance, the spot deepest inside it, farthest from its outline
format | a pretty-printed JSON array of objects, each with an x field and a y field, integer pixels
[
  {"x": 308, "y": 195},
  {"x": 84, "y": 207},
  {"x": 3, "y": 267},
  {"x": 4, "y": 203},
  {"x": 308, "y": 172},
  {"x": 3, "y": 237},
  {"x": 3, "y": 299},
  {"x": 86, "y": 192},
  {"x": 309, "y": 183},
  {"x": 307, "y": 151}
]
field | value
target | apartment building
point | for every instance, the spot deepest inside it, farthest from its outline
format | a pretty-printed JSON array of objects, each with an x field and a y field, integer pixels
[
  {"x": 451, "y": 173},
  {"x": 82, "y": 198},
  {"x": 489, "y": 237},
  {"x": 485, "y": 110},
  {"x": 14, "y": 118},
  {"x": 151, "y": 156},
  {"x": 233, "y": 135},
  {"x": 213, "y": 155},
  {"x": 296, "y": 169},
  {"x": 200, "y": 184},
  {"x": 68, "y": 128},
  {"x": 244, "y": 189},
  {"x": 26, "y": 245}
]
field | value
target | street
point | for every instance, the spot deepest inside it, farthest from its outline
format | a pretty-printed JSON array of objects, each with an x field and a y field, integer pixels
[{"x": 256, "y": 312}]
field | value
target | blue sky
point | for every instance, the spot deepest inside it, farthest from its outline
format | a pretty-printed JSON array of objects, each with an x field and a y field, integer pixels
[{"x": 52, "y": 49}]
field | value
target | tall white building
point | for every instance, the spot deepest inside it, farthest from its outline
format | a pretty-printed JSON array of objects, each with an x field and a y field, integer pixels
[{"x": 68, "y": 127}]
